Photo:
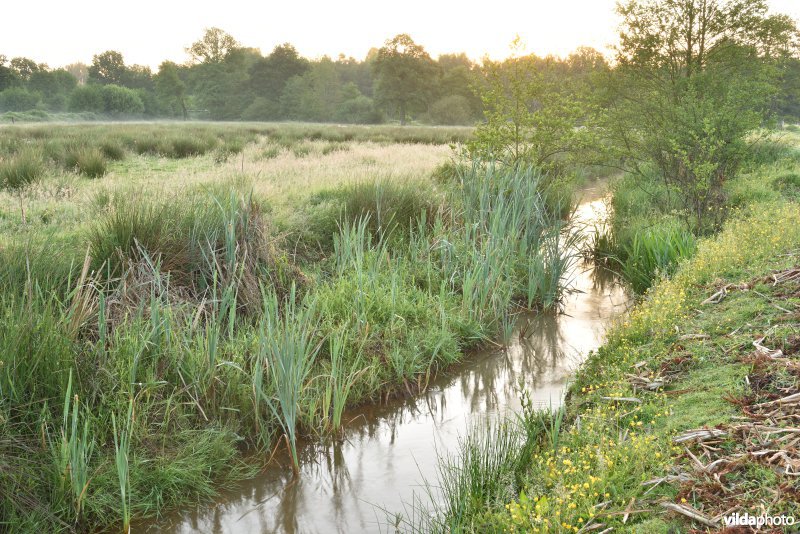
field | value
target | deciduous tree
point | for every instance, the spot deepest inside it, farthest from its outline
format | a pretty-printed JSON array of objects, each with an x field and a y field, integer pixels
[
  {"x": 404, "y": 76},
  {"x": 108, "y": 68},
  {"x": 213, "y": 47},
  {"x": 694, "y": 79},
  {"x": 532, "y": 115}
]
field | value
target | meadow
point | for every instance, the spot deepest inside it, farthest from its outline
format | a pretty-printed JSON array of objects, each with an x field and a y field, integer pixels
[{"x": 180, "y": 301}]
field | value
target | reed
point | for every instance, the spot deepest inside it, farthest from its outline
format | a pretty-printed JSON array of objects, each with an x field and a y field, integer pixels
[
  {"x": 122, "y": 445},
  {"x": 73, "y": 452},
  {"x": 655, "y": 252},
  {"x": 288, "y": 346},
  {"x": 340, "y": 380}
]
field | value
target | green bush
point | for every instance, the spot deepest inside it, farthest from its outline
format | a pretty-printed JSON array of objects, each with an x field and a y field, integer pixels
[
  {"x": 87, "y": 98},
  {"x": 451, "y": 110},
  {"x": 18, "y": 99},
  {"x": 359, "y": 110},
  {"x": 121, "y": 101}
]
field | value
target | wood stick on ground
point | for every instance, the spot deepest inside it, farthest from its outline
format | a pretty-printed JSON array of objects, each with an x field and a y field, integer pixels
[
  {"x": 717, "y": 297},
  {"x": 691, "y": 513},
  {"x": 623, "y": 399},
  {"x": 628, "y": 510},
  {"x": 701, "y": 434}
]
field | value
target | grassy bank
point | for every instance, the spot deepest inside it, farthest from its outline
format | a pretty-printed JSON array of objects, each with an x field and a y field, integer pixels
[
  {"x": 686, "y": 414},
  {"x": 166, "y": 318},
  {"x": 648, "y": 231}
]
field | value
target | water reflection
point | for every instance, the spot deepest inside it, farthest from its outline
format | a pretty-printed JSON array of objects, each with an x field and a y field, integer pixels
[{"x": 389, "y": 449}]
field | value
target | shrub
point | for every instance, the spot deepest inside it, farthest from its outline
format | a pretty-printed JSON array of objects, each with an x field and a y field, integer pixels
[
  {"x": 451, "y": 110},
  {"x": 18, "y": 99},
  {"x": 359, "y": 110},
  {"x": 87, "y": 98},
  {"x": 121, "y": 101},
  {"x": 262, "y": 109}
]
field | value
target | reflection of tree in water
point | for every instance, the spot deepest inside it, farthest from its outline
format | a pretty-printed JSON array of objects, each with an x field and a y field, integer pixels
[
  {"x": 482, "y": 386},
  {"x": 604, "y": 279},
  {"x": 546, "y": 349}
]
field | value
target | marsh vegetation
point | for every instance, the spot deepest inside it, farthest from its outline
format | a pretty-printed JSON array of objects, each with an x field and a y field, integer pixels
[
  {"x": 182, "y": 302},
  {"x": 181, "y": 314}
]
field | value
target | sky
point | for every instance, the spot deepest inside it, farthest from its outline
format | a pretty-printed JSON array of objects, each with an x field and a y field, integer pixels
[{"x": 148, "y": 32}]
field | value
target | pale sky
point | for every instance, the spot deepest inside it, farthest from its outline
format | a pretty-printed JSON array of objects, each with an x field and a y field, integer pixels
[{"x": 150, "y": 31}]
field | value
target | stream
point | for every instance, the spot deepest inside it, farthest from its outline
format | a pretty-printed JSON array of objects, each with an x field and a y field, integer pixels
[{"x": 389, "y": 449}]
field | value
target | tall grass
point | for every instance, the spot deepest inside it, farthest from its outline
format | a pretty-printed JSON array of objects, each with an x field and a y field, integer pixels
[
  {"x": 517, "y": 244},
  {"x": 73, "y": 452},
  {"x": 206, "y": 242},
  {"x": 655, "y": 252},
  {"x": 87, "y": 161},
  {"x": 287, "y": 346},
  {"x": 122, "y": 443},
  {"x": 194, "y": 306},
  {"x": 645, "y": 236},
  {"x": 339, "y": 381},
  {"x": 478, "y": 475},
  {"x": 21, "y": 170},
  {"x": 389, "y": 206}
]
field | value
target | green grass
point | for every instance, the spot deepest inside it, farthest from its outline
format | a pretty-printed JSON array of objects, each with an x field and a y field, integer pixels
[
  {"x": 287, "y": 350},
  {"x": 21, "y": 170},
  {"x": 196, "y": 334},
  {"x": 589, "y": 467},
  {"x": 655, "y": 252}
]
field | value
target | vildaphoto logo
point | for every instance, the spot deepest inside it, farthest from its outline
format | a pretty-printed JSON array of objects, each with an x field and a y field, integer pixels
[{"x": 763, "y": 520}]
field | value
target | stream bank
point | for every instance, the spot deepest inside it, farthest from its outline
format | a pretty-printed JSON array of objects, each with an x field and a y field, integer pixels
[{"x": 387, "y": 449}]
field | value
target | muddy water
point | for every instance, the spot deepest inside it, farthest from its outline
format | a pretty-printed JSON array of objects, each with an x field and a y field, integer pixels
[{"x": 389, "y": 449}]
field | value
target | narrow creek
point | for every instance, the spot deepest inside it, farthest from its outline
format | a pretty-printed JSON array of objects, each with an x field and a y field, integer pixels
[{"x": 389, "y": 449}]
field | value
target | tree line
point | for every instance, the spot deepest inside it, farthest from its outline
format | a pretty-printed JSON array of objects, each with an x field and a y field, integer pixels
[{"x": 224, "y": 80}]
